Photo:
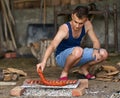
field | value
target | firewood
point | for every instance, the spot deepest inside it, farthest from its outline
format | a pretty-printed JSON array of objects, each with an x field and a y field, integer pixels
[
  {"x": 33, "y": 51},
  {"x": 103, "y": 76},
  {"x": 11, "y": 77},
  {"x": 112, "y": 73},
  {"x": 36, "y": 45},
  {"x": 20, "y": 72},
  {"x": 7, "y": 77},
  {"x": 53, "y": 63},
  {"x": 109, "y": 68},
  {"x": 116, "y": 80},
  {"x": 48, "y": 61},
  {"x": 104, "y": 79},
  {"x": 15, "y": 76},
  {"x": 43, "y": 45},
  {"x": 6, "y": 71}
]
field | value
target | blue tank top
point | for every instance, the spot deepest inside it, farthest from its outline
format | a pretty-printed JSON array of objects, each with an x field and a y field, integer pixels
[{"x": 70, "y": 41}]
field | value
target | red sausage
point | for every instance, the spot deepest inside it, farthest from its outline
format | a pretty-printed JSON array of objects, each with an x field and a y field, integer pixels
[{"x": 54, "y": 82}]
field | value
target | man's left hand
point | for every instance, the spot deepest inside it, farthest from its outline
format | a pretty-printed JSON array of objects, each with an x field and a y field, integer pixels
[{"x": 96, "y": 54}]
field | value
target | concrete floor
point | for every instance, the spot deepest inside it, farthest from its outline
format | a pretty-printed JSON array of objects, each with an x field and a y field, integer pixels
[{"x": 97, "y": 89}]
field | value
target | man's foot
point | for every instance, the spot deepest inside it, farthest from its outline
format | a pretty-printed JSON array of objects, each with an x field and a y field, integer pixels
[
  {"x": 63, "y": 78},
  {"x": 90, "y": 76},
  {"x": 80, "y": 76}
]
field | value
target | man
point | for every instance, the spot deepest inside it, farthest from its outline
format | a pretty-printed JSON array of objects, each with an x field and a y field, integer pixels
[{"x": 66, "y": 44}]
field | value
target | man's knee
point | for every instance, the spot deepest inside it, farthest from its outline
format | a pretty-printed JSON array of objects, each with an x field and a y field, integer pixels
[
  {"x": 77, "y": 52},
  {"x": 104, "y": 53}
]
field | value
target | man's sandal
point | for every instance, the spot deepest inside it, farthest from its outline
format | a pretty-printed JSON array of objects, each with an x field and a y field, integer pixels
[
  {"x": 63, "y": 78},
  {"x": 90, "y": 76}
]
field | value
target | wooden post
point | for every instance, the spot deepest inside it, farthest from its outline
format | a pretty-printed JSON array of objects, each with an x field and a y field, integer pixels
[
  {"x": 8, "y": 22},
  {"x": 43, "y": 46},
  {"x": 106, "y": 27},
  {"x": 115, "y": 28},
  {"x": 9, "y": 11}
]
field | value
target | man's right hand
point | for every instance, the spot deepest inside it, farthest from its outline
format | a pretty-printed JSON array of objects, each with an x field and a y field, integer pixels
[{"x": 40, "y": 65}]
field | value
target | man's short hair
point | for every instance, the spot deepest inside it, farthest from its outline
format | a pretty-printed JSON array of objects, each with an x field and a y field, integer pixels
[{"x": 81, "y": 11}]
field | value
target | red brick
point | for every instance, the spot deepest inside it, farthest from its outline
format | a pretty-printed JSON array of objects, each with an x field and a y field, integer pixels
[
  {"x": 80, "y": 90},
  {"x": 17, "y": 91}
]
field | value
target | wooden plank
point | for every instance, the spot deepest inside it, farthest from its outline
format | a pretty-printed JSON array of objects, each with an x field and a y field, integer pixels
[{"x": 7, "y": 83}]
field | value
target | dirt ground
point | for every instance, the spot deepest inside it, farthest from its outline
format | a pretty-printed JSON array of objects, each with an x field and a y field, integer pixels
[{"x": 97, "y": 89}]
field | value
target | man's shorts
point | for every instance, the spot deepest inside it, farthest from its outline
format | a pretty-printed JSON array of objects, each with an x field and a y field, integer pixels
[{"x": 86, "y": 57}]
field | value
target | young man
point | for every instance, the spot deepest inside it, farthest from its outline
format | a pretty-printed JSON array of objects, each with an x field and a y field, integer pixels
[{"x": 66, "y": 44}]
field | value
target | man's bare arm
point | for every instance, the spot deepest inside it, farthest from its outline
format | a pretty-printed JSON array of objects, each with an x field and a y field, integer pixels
[
  {"x": 92, "y": 35},
  {"x": 94, "y": 39},
  {"x": 61, "y": 34}
]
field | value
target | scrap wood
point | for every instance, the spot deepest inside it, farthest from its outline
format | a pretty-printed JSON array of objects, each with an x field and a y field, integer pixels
[
  {"x": 118, "y": 64},
  {"x": 103, "y": 76},
  {"x": 6, "y": 71},
  {"x": 7, "y": 77},
  {"x": 11, "y": 77},
  {"x": 112, "y": 73},
  {"x": 104, "y": 79},
  {"x": 80, "y": 90},
  {"x": 110, "y": 76},
  {"x": 20, "y": 72},
  {"x": 7, "y": 83},
  {"x": 107, "y": 75},
  {"x": 109, "y": 68}
]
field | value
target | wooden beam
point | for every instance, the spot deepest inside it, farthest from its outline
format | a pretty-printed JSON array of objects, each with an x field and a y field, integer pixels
[
  {"x": 22, "y": 1},
  {"x": 7, "y": 83}
]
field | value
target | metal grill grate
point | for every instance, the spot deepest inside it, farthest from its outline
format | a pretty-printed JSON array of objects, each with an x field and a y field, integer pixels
[
  {"x": 47, "y": 92},
  {"x": 115, "y": 95}
]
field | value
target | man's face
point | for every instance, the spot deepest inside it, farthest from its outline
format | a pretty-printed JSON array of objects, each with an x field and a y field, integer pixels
[{"x": 78, "y": 23}]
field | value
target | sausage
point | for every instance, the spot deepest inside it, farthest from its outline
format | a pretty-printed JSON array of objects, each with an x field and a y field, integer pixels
[
  {"x": 54, "y": 82},
  {"x": 44, "y": 81}
]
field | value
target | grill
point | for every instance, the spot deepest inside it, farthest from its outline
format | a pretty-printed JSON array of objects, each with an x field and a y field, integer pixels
[
  {"x": 115, "y": 95},
  {"x": 47, "y": 92},
  {"x": 42, "y": 90}
]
